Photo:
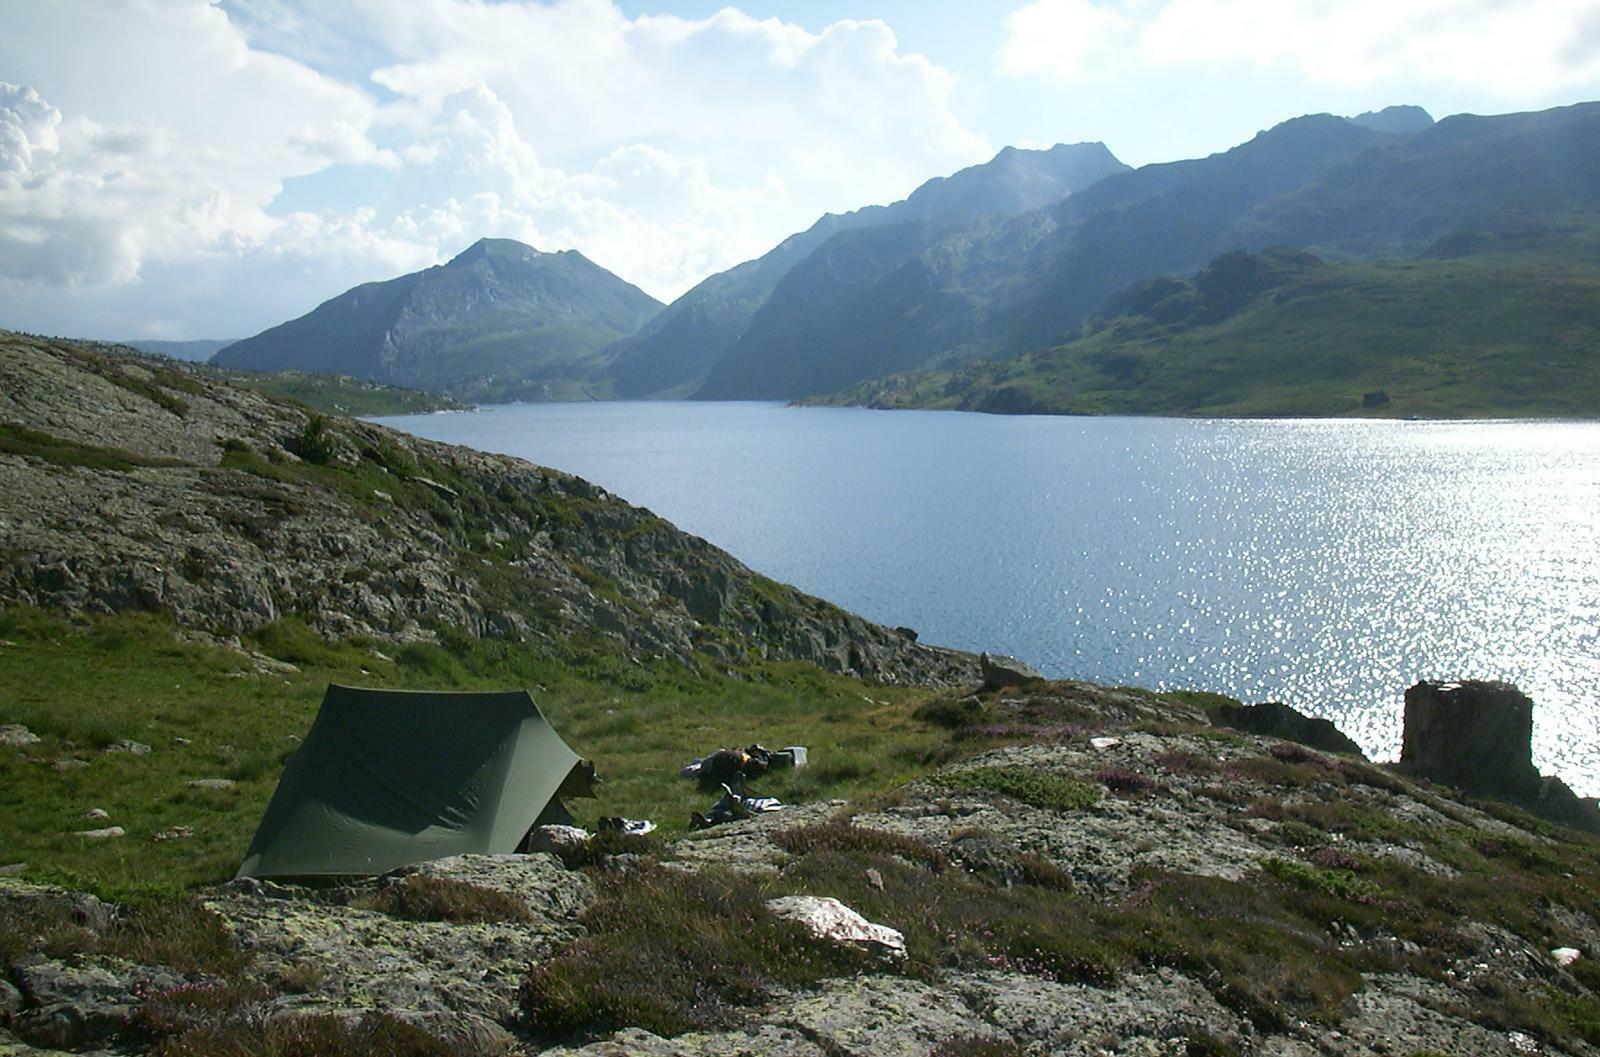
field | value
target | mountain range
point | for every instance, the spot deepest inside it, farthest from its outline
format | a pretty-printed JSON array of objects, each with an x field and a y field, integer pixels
[{"x": 997, "y": 260}]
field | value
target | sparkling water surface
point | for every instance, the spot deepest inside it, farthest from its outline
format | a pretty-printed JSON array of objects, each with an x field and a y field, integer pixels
[{"x": 1327, "y": 564}]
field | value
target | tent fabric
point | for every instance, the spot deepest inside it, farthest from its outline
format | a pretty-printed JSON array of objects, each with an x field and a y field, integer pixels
[{"x": 386, "y": 778}]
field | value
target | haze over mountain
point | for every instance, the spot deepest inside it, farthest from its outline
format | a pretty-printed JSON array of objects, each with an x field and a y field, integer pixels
[
  {"x": 499, "y": 321},
  {"x": 672, "y": 354},
  {"x": 197, "y": 350},
  {"x": 886, "y": 301}
]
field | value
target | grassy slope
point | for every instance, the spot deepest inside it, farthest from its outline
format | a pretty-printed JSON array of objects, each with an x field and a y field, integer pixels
[
  {"x": 82, "y": 686},
  {"x": 1507, "y": 334}
]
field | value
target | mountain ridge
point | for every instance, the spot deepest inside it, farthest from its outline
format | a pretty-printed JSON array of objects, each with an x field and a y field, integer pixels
[{"x": 500, "y": 320}]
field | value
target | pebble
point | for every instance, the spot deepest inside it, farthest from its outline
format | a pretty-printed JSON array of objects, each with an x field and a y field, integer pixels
[
  {"x": 102, "y": 834},
  {"x": 212, "y": 783},
  {"x": 96, "y": 814},
  {"x": 128, "y": 745},
  {"x": 174, "y": 833}
]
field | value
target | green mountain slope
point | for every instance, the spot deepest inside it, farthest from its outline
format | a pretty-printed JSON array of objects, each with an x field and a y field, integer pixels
[
  {"x": 1514, "y": 332},
  {"x": 671, "y": 355},
  {"x": 499, "y": 321},
  {"x": 1321, "y": 183}
]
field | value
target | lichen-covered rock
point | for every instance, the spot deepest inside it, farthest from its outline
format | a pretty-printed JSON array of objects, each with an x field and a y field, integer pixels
[
  {"x": 880, "y": 1016},
  {"x": 73, "y": 1004},
  {"x": 764, "y": 1040},
  {"x": 372, "y": 960},
  {"x": 1071, "y": 1018}
]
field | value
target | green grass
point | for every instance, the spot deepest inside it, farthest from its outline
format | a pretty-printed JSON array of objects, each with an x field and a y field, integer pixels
[
  {"x": 1509, "y": 333},
  {"x": 207, "y": 712}
]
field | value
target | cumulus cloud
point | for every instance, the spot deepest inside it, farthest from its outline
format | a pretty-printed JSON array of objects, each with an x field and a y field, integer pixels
[
  {"x": 1055, "y": 37},
  {"x": 178, "y": 146},
  {"x": 1515, "y": 49}
]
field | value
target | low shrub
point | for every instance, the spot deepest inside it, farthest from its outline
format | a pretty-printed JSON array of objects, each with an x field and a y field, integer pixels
[
  {"x": 1185, "y": 763},
  {"x": 843, "y": 836},
  {"x": 307, "y": 1035},
  {"x": 421, "y": 897},
  {"x": 1339, "y": 883},
  {"x": 1028, "y": 784},
  {"x": 669, "y": 951},
  {"x": 1127, "y": 783}
]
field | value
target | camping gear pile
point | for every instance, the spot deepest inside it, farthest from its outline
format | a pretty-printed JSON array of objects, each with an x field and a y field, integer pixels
[{"x": 727, "y": 769}]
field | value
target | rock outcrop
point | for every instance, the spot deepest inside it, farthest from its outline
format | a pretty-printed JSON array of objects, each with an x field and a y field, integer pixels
[
  {"x": 1478, "y": 736},
  {"x": 136, "y": 486},
  {"x": 1274, "y": 719}
]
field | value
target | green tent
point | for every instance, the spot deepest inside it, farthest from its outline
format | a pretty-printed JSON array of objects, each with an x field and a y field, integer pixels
[{"x": 391, "y": 777}]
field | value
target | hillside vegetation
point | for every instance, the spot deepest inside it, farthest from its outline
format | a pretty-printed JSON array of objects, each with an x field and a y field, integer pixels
[{"x": 1510, "y": 332}]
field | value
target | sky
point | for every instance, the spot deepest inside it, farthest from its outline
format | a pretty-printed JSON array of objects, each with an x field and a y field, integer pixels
[{"x": 196, "y": 169}]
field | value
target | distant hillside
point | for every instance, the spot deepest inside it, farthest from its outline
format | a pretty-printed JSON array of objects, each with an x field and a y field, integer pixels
[
  {"x": 500, "y": 321},
  {"x": 340, "y": 394},
  {"x": 1004, "y": 286},
  {"x": 197, "y": 351},
  {"x": 671, "y": 355},
  {"x": 1506, "y": 333}
]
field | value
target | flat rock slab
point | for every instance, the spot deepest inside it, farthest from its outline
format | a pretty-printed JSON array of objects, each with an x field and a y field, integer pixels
[
  {"x": 766, "y": 1040},
  {"x": 1145, "y": 1011},
  {"x": 880, "y": 1016},
  {"x": 74, "y": 1004},
  {"x": 372, "y": 960}
]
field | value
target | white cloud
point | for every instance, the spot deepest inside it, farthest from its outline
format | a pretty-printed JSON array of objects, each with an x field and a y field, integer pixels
[
  {"x": 1513, "y": 49},
  {"x": 1055, "y": 37},
  {"x": 153, "y": 147}
]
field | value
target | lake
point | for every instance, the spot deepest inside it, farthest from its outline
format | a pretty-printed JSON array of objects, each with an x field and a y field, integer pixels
[{"x": 1326, "y": 564}]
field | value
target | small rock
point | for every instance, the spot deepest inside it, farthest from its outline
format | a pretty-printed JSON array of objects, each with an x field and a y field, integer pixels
[
  {"x": 67, "y": 763},
  {"x": 874, "y": 878},
  {"x": 128, "y": 745},
  {"x": 11, "y": 869},
  {"x": 829, "y": 919},
  {"x": 174, "y": 833},
  {"x": 180, "y": 741},
  {"x": 1000, "y": 671},
  {"x": 10, "y": 999},
  {"x": 215, "y": 784},
  {"x": 1102, "y": 744},
  {"x": 16, "y": 735},
  {"x": 1565, "y": 956},
  {"x": 96, "y": 814},
  {"x": 557, "y": 840},
  {"x": 101, "y": 834}
]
